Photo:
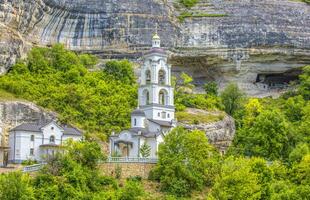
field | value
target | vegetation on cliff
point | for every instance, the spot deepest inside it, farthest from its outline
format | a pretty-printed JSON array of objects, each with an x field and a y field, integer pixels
[{"x": 58, "y": 79}]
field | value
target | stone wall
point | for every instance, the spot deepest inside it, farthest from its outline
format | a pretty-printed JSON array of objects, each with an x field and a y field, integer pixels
[{"x": 128, "y": 169}]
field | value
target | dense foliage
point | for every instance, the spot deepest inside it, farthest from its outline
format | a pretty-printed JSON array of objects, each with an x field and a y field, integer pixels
[
  {"x": 73, "y": 175},
  {"x": 273, "y": 128},
  {"x": 186, "y": 162},
  {"x": 59, "y": 79}
]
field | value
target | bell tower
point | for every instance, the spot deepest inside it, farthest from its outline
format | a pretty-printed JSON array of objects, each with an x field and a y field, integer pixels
[{"x": 155, "y": 90}]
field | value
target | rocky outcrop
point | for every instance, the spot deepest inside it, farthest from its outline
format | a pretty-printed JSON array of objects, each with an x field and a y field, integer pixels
[
  {"x": 14, "y": 113},
  {"x": 247, "y": 38},
  {"x": 220, "y": 133}
]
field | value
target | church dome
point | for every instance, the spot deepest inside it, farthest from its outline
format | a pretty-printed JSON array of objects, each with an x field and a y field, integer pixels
[
  {"x": 156, "y": 36},
  {"x": 138, "y": 112}
]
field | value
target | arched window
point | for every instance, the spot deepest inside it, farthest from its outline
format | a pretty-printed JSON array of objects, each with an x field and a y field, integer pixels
[
  {"x": 161, "y": 77},
  {"x": 52, "y": 139},
  {"x": 32, "y": 138},
  {"x": 146, "y": 97},
  {"x": 162, "y": 97},
  {"x": 148, "y": 76}
]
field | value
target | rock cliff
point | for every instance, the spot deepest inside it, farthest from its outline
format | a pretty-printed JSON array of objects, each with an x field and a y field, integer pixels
[
  {"x": 14, "y": 113},
  {"x": 236, "y": 40},
  {"x": 219, "y": 132}
]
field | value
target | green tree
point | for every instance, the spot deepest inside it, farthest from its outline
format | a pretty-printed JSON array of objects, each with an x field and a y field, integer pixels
[
  {"x": 211, "y": 88},
  {"x": 232, "y": 98},
  {"x": 304, "y": 87},
  {"x": 293, "y": 108},
  {"x": 15, "y": 186},
  {"x": 120, "y": 70},
  {"x": 267, "y": 136},
  {"x": 236, "y": 181},
  {"x": 145, "y": 150},
  {"x": 186, "y": 162}
]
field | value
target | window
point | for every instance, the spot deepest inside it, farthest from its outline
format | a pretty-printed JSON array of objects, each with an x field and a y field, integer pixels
[
  {"x": 52, "y": 128},
  {"x": 32, "y": 138},
  {"x": 52, "y": 139},
  {"x": 161, "y": 77},
  {"x": 163, "y": 115},
  {"x": 148, "y": 76},
  {"x": 146, "y": 97},
  {"x": 135, "y": 122},
  {"x": 162, "y": 97},
  {"x": 158, "y": 114},
  {"x": 31, "y": 151},
  {"x": 168, "y": 115}
]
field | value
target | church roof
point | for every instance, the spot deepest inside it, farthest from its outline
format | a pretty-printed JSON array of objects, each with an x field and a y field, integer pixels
[
  {"x": 138, "y": 112},
  {"x": 161, "y": 123},
  {"x": 36, "y": 127},
  {"x": 156, "y": 50}
]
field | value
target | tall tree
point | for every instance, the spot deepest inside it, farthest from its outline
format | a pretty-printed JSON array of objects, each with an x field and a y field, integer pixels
[{"x": 232, "y": 98}]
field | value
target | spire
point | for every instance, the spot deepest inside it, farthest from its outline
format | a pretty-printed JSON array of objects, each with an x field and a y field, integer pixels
[{"x": 156, "y": 38}]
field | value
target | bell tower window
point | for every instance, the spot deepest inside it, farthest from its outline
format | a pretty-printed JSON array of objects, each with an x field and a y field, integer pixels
[
  {"x": 162, "y": 97},
  {"x": 148, "y": 76},
  {"x": 161, "y": 77},
  {"x": 146, "y": 97}
]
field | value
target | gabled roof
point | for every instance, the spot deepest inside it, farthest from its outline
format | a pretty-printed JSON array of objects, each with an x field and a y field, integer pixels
[
  {"x": 36, "y": 127},
  {"x": 161, "y": 123},
  {"x": 72, "y": 131}
]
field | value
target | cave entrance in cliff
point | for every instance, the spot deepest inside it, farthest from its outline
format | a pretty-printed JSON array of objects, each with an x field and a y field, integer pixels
[{"x": 278, "y": 80}]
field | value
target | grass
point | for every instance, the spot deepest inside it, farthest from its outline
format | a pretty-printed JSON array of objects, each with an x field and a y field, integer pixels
[
  {"x": 184, "y": 15},
  {"x": 4, "y": 95},
  {"x": 198, "y": 118}
]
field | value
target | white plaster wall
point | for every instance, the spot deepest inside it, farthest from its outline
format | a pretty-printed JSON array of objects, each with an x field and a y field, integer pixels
[
  {"x": 140, "y": 121},
  {"x": 48, "y": 132}
]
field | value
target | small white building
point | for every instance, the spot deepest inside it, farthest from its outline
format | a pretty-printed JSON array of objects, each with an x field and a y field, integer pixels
[
  {"x": 37, "y": 141},
  {"x": 154, "y": 116}
]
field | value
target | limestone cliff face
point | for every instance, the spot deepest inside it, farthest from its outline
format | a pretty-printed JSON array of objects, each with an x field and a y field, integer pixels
[
  {"x": 14, "y": 113},
  {"x": 251, "y": 37},
  {"x": 220, "y": 132}
]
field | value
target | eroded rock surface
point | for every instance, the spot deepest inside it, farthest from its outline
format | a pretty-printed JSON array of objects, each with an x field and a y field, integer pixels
[
  {"x": 249, "y": 38},
  {"x": 220, "y": 133},
  {"x": 14, "y": 113}
]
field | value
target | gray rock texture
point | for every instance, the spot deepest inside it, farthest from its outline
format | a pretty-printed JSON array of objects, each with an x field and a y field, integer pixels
[
  {"x": 14, "y": 113},
  {"x": 220, "y": 133},
  {"x": 252, "y": 36}
]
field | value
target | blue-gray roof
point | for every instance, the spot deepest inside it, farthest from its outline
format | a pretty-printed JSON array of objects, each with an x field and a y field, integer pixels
[{"x": 36, "y": 127}]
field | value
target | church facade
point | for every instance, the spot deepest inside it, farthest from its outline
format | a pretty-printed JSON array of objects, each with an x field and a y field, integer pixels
[{"x": 154, "y": 117}]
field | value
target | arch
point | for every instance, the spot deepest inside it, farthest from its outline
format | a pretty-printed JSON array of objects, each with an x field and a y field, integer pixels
[
  {"x": 161, "y": 77},
  {"x": 52, "y": 139},
  {"x": 148, "y": 76},
  {"x": 146, "y": 97},
  {"x": 163, "y": 97}
]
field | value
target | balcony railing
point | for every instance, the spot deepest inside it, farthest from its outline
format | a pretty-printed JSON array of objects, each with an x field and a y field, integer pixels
[{"x": 131, "y": 160}]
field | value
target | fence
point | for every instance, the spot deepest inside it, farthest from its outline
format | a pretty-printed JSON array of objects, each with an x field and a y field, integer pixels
[
  {"x": 33, "y": 168},
  {"x": 131, "y": 160}
]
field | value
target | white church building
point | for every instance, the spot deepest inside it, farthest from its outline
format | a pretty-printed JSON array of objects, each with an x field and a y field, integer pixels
[
  {"x": 38, "y": 141},
  {"x": 154, "y": 116}
]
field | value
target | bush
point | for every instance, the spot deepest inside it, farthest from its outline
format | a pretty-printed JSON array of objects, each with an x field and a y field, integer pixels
[
  {"x": 186, "y": 162},
  {"x": 131, "y": 191}
]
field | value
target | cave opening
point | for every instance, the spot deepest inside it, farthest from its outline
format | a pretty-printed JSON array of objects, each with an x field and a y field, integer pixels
[{"x": 278, "y": 80}]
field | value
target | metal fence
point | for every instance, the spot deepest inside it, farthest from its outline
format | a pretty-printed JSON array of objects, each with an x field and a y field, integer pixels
[
  {"x": 131, "y": 160},
  {"x": 33, "y": 168}
]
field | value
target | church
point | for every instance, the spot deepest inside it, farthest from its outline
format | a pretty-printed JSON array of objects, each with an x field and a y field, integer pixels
[{"x": 154, "y": 117}]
